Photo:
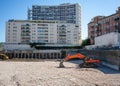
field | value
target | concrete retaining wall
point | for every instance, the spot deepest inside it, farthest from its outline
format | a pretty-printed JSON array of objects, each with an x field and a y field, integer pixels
[
  {"x": 110, "y": 58},
  {"x": 38, "y": 54}
]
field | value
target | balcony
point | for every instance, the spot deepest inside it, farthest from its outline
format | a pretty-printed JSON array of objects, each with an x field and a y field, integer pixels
[{"x": 116, "y": 19}]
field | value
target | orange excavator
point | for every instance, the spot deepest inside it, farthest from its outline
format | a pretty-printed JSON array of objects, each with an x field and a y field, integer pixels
[{"x": 87, "y": 61}]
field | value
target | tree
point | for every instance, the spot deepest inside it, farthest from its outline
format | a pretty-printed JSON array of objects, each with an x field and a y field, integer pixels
[
  {"x": 0, "y": 44},
  {"x": 85, "y": 42}
]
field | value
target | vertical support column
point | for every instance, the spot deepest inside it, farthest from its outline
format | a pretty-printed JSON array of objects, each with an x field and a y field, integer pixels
[
  {"x": 31, "y": 55},
  {"x": 17, "y": 55},
  {"x": 56, "y": 55},
  {"x": 20, "y": 55},
  {"x": 10, "y": 55},
  {"x": 39, "y": 55},
  {"x": 53, "y": 56},
  {"x": 42, "y": 55},
  {"x": 14, "y": 55},
  {"x": 35, "y": 55},
  {"x": 45, "y": 55},
  {"x": 60, "y": 55},
  {"x": 24, "y": 55},
  {"x": 50, "y": 55}
]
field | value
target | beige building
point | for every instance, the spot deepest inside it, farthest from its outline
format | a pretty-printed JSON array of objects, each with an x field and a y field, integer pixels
[{"x": 42, "y": 31}]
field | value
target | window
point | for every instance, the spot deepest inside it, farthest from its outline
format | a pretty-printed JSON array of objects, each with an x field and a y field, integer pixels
[
  {"x": 14, "y": 30},
  {"x": 33, "y": 24},
  {"x": 42, "y": 24}
]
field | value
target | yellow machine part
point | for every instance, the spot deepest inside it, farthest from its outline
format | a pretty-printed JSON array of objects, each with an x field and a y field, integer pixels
[{"x": 5, "y": 57}]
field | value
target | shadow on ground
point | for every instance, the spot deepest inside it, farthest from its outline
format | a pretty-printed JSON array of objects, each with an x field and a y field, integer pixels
[{"x": 102, "y": 68}]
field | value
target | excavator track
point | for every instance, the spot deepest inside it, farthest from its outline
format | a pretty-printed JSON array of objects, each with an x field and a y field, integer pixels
[{"x": 87, "y": 65}]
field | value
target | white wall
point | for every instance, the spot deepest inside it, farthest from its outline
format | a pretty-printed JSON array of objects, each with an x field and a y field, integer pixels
[{"x": 112, "y": 38}]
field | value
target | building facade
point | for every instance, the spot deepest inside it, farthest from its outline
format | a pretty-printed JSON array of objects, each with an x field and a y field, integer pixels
[
  {"x": 101, "y": 25},
  {"x": 41, "y": 31},
  {"x": 71, "y": 13}
]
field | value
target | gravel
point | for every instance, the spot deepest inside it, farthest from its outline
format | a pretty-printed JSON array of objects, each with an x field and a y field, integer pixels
[{"x": 47, "y": 73}]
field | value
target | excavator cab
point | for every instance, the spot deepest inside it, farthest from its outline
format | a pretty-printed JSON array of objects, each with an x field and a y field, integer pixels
[{"x": 88, "y": 62}]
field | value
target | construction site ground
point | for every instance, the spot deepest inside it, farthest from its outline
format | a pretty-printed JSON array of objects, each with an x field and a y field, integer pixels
[{"x": 47, "y": 73}]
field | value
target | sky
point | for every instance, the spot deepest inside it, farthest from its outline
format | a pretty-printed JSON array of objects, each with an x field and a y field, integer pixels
[{"x": 17, "y": 9}]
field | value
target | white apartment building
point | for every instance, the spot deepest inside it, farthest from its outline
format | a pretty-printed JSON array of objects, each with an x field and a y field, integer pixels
[
  {"x": 41, "y": 31},
  {"x": 71, "y": 13}
]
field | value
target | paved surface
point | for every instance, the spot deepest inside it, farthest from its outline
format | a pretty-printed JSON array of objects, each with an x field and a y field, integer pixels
[{"x": 47, "y": 73}]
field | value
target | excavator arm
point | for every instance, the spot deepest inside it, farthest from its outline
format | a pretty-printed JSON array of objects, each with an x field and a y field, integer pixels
[
  {"x": 80, "y": 56},
  {"x": 87, "y": 61}
]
